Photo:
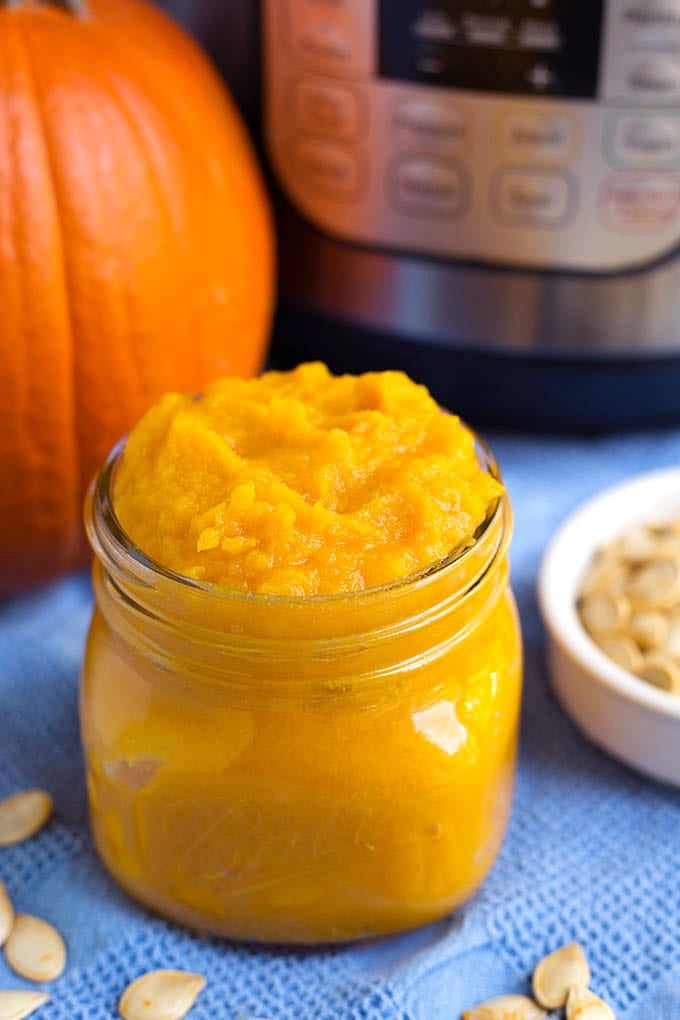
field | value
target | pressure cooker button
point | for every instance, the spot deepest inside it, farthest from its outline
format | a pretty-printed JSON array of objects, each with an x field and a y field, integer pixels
[
  {"x": 434, "y": 26},
  {"x": 654, "y": 14},
  {"x": 328, "y": 168},
  {"x": 540, "y": 76},
  {"x": 537, "y": 137},
  {"x": 534, "y": 199},
  {"x": 539, "y": 34},
  {"x": 421, "y": 123},
  {"x": 327, "y": 109},
  {"x": 640, "y": 202},
  {"x": 337, "y": 35},
  {"x": 427, "y": 187},
  {"x": 487, "y": 30},
  {"x": 656, "y": 75},
  {"x": 646, "y": 140},
  {"x": 326, "y": 41}
]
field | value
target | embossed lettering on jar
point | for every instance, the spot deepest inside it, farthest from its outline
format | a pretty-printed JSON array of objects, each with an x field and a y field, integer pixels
[{"x": 300, "y": 769}]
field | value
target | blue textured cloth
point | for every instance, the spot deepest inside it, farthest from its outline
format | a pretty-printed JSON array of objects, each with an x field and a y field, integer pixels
[{"x": 591, "y": 853}]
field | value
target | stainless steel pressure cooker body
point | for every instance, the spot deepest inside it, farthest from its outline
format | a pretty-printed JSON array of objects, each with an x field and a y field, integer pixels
[{"x": 485, "y": 193}]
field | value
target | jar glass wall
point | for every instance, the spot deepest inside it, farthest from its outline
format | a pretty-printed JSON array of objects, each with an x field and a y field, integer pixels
[{"x": 300, "y": 770}]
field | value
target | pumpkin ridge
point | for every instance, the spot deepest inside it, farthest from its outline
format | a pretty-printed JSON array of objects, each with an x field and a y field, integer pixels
[
  {"x": 202, "y": 76},
  {"x": 65, "y": 272},
  {"x": 164, "y": 203},
  {"x": 104, "y": 81},
  {"x": 74, "y": 548},
  {"x": 94, "y": 444},
  {"x": 186, "y": 49}
]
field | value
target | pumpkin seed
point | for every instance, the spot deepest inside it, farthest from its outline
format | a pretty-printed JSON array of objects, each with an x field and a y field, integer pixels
[
  {"x": 649, "y": 628},
  {"x": 35, "y": 950},
  {"x": 671, "y": 644},
  {"x": 606, "y": 571},
  {"x": 582, "y": 1004},
  {"x": 602, "y": 612},
  {"x": 655, "y": 584},
  {"x": 558, "y": 973},
  {"x": 6, "y": 914},
  {"x": 22, "y": 815},
  {"x": 661, "y": 672},
  {"x": 161, "y": 995},
  {"x": 506, "y": 1007},
  {"x": 16, "y": 1005},
  {"x": 638, "y": 545},
  {"x": 622, "y": 650}
]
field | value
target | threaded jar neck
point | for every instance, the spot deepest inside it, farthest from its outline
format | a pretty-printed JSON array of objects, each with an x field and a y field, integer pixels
[{"x": 210, "y": 633}]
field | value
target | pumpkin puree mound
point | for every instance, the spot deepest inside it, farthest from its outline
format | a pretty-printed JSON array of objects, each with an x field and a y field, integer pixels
[{"x": 301, "y": 483}]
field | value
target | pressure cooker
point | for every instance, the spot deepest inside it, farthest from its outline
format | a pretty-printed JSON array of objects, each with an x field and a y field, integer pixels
[{"x": 485, "y": 193}]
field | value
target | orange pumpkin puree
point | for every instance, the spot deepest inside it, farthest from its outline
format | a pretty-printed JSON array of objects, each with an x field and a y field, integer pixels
[
  {"x": 301, "y": 769},
  {"x": 302, "y": 483}
]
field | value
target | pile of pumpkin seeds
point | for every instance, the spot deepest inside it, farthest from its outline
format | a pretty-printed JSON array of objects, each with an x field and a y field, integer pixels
[
  {"x": 629, "y": 603},
  {"x": 560, "y": 981},
  {"x": 33, "y": 948},
  {"x": 36, "y": 951}
]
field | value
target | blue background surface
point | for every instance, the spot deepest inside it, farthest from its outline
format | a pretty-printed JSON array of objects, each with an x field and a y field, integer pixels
[{"x": 592, "y": 850}]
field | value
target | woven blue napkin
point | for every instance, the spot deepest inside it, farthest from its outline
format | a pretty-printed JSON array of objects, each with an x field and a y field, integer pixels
[{"x": 592, "y": 852}]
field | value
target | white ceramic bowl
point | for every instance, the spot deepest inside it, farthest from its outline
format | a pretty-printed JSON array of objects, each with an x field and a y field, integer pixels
[{"x": 629, "y": 718}]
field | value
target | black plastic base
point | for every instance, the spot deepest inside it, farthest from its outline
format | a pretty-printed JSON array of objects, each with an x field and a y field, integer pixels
[{"x": 527, "y": 392}]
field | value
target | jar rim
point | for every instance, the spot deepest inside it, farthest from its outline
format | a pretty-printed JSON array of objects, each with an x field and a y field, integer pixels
[{"x": 106, "y": 533}]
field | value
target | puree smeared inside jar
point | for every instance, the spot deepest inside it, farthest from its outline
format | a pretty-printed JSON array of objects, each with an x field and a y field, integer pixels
[{"x": 302, "y": 483}]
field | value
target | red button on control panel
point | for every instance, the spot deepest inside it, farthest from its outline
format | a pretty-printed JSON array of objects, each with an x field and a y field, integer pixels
[{"x": 631, "y": 201}]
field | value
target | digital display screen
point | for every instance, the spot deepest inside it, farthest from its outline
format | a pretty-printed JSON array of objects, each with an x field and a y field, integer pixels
[{"x": 535, "y": 47}]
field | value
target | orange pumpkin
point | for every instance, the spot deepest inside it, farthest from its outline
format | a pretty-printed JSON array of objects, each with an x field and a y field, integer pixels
[{"x": 136, "y": 251}]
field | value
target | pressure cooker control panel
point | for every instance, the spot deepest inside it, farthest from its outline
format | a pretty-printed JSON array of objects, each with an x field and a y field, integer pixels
[{"x": 543, "y": 133}]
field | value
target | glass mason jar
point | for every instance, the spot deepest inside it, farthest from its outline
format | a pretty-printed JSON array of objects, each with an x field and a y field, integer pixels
[{"x": 300, "y": 769}]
